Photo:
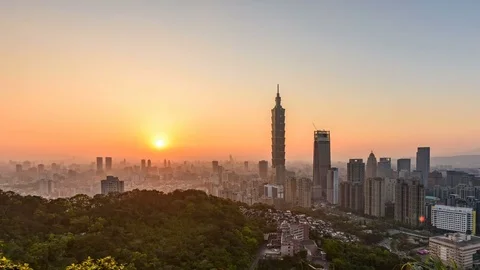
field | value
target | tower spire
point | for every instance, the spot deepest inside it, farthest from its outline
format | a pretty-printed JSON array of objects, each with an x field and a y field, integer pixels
[{"x": 278, "y": 99}]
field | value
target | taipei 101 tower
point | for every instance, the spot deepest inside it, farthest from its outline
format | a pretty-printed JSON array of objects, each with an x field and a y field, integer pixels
[{"x": 278, "y": 139}]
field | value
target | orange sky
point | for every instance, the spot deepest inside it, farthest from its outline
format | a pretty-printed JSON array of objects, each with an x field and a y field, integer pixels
[{"x": 77, "y": 82}]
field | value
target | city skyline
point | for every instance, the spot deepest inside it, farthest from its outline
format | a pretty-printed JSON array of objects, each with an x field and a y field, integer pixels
[
  {"x": 133, "y": 80},
  {"x": 150, "y": 134}
]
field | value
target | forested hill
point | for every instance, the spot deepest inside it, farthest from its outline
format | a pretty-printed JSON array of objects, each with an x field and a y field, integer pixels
[{"x": 142, "y": 229}]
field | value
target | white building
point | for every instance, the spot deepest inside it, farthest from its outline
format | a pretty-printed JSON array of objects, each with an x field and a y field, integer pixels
[
  {"x": 273, "y": 191},
  {"x": 292, "y": 236},
  {"x": 456, "y": 219},
  {"x": 332, "y": 186},
  {"x": 459, "y": 248}
]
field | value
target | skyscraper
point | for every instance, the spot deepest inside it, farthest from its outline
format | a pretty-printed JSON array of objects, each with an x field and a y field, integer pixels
[
  {"x": 384, "y": 168},
  {"x": 108, "y": 164},
  {"x": 356, "y": 170},
  {"x": 245, "y": 165},
  {"x": 321, "y": 163},
  {"x": 371, "y": 166},
  {"x": 142, "y": 165},
  {"x": 423, "y": 164},
  {"x": 149, "y": 163},
  {"x": 263, "y": 169},
  {"x": 404, "y": 164},
  {"x": 278, "y": 139},
  {"x": 99, "y": 164}
]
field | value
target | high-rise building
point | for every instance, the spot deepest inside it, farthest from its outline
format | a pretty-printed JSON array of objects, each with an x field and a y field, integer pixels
[
  {"x": 458, "y": 177},
  {"x": 18, "y": 168},
  {"x": 215, "y": 166},
  {"x": 404, "y": 164},
  {"x": 456, "y": 219},
  {"x": 143, "y": 165},
  {"x": 423, "y": 163},
  {"x": 384, "y": 168},
  {"x": 357, "y": 197},
  {"x": 278, "y": 139},
  {"x": 263, "y": 169},
  {"x": 435, "y": 178},
  {"x": 165, "y": 163},
  {"x": 409, "y": 202},
  {"x": 111, "y": 184},
  {"x": 291, "y": 191},
  {"x": 456, "y": 248},
  {"x": 304, "y": 192},
  {"x": 356, "y": 177},
  {"x": 108, "y": 164},
  {"x": 99, "y": 164},
  {"x": 374, "y": 194},
  {"x": 40, "y": 168},
  {"x": 245, "y": 165},
  {"x": 345, "y": 188},
  {"x": 332, "y": 186},
  {"x": 356, "y": 170},
  {"x": 149, "y": 163},
  {"x": 371, "y": 166},
  {"x": 390, "y": 184},
  {"x": 321, "y": 164}
]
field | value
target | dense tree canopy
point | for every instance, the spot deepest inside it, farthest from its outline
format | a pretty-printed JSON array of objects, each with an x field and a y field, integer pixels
[
  {"x": 356, "y": 256},
  {"x": 107, "y": 263},
  {"x": 140, "y": 229},
  {"x": 7, "y": 264}
]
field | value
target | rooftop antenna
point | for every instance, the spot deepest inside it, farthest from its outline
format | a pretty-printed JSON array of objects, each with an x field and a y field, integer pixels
[{"x": 314, "y": 126}]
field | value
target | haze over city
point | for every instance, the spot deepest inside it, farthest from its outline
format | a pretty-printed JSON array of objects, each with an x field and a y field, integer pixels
[
  {"x": 114, "y": 78},
  {"x": 228, "y": 134}
]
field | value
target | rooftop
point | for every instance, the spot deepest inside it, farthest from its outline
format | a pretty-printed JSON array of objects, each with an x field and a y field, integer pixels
[{"x": 457, "y": 239}]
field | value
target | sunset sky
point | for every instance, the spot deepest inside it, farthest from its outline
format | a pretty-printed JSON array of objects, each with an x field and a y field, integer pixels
[{"x": 105, "y": 78}]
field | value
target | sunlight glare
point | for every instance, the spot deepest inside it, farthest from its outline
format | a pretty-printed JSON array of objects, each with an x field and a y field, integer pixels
[{"x": 160, "y": 143}]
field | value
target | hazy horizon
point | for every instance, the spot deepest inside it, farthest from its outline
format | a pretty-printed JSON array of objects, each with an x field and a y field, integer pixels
[{"x": 89, "y": 79}]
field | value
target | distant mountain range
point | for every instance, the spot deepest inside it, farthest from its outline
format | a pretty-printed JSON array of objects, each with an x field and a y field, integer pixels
[{"x": 459, "y": 161}]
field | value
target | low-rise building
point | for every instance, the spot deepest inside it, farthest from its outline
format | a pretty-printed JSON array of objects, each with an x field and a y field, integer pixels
[
  {"x": 292, "y": 236},
  {"x": 458, "y": 248}
]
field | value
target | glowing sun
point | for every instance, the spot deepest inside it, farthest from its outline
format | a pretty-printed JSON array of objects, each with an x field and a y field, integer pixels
[{"x": 160, "y": 143}]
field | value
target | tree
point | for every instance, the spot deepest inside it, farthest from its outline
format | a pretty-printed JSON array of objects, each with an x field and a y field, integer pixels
[
  {"x": 107, "y": 263},
  {"x": 145, "y": 229},
  {"x": 9, "y": 265},
  {"x": 432, "y": 263}
]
